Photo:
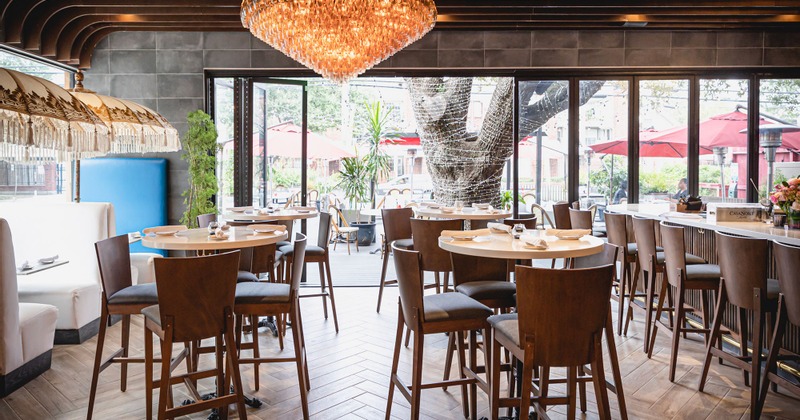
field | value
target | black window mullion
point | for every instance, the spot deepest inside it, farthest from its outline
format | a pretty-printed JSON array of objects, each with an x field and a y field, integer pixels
[
  {"x": 693, "y": 146},
  {"x": 753, "y": 113},
  {"x": 573, "y": 145},
  {"x": 633, "y": 141}
]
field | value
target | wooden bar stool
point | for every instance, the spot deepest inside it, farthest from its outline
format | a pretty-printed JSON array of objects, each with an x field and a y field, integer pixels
[
  {"x": 745, "y": 285},
  {"x": 319, "y": 254},
  {"x": 433, "y": 314},
  {"x": 787, "y": 258},
  {"x": 485, "y": 280},
  {"x": 426, "y": 241},
  {"x": 276, "y": 299},
  {"x": 396, "y": 228},
  {"x": 206, "y": 312},
  {"x": 616, "y": 226},
  {"x": 702, "y": 277},
  {"x": 651, "y": 261},
  {"x": 560, "y": 324},
  {"x": 120, "y": 297}
]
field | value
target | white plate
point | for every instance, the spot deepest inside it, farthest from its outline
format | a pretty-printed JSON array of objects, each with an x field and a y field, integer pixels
[
  {"x": 463, "y": 238},
  {"x": 538, "y": 248},
  {"x": 304, "y": 211},
  {"x": 264, "y": 230},
  {"x": 166, "y": 232},
  {"x": 569, "y": 237},
  {"x": 214, "y": 237}
]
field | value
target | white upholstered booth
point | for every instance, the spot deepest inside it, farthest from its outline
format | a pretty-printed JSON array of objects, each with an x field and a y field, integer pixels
[
  {"x": 42, "y": 229},
  {"x": 26, "y": 329}
]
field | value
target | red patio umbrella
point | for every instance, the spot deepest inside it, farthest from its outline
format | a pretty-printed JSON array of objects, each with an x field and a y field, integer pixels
[
  {"x": 285, "y": 141},
  {"x": 652, "y": 143}
]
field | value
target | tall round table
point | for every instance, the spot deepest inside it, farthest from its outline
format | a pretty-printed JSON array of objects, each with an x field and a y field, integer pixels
[
  {"x": 277, "y": 215},
  {"x": 505, "y": 247},
  {"x": 200, "y": 240},
  {"x": 463, "y": 215}
]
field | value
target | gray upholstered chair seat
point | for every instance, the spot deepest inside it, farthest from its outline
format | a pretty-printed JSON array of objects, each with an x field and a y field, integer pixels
[
  {"x": 152, "y": 313},
  {"x": 245, "y": 276},
  {"x": 262, "y": 292},
  {"x": 452, "y": 307},
  {"x": 136, "y": 294},
  {"x": 310, "y": 250},
  {"x": 703, "y": 272},
  {"x": 633, "y": 249},
  {"x": 489, "y": 290},
  {"x": 690, "y": 258},
  {"x": 404, "y": 243},
  {"x": 507, "y": 326}
]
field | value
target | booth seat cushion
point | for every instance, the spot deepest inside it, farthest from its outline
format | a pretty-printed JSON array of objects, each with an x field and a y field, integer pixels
[
  {"x": 37, "y": 326},
  {"x": 77, "y": 299},
  {"x": 142, "y": 267}
]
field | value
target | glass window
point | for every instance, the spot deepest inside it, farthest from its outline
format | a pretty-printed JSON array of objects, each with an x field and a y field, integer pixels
[
  {"x": 223, "y": 120},
  {"x": 723, "y": 147},
  {"x": 543, "y": 128},
  {"x": 779, "y": 152},
  {"x": 603, "y": 143},
  {"x": 663, "y": 137}
]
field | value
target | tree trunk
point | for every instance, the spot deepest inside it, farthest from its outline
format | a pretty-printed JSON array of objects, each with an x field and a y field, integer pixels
[{"x": 468, "y": 166}]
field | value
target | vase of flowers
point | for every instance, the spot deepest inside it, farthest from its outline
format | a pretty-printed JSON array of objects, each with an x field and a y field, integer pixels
[{"x": 787, "y": 197}]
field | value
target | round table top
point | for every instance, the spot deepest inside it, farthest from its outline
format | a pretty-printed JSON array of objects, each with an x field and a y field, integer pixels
[
  {"x": 506, "y": 247},
  {"x": 371, "y": 212},
  {"x": 463, "y": 215},
  {"x": 199, "y": 239},
  {"x": 282, "y": 214}
]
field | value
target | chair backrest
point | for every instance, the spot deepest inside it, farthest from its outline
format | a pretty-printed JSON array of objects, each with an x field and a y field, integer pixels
[
  {"x": 529, "y": 222},
  {"x": 580, "y": 219},
  {"x": 563, "y": 312},
  {"x": 561, "y": 215},
  {"x": 10, "y": 338},
  {"x": 617, "y": 230},
  {"x": 312, "y": 196},
  {"x": 787, "y": 259},
  {"x": 576, "y": 205},
  {"x": 743, "y": 263},
  {"x": 262, "y": 259},
  {"x": 298, "y": 261},
  {"x": 324, "y": 232},
  {"x": 608, "y": 256},
  {"x": 397, "y": 223},
  {"x": 467, "y": 269},
  {"x": 114, "y": 260},
  {"x": 409, "y": 280},
  {"x": 204, "y": 219},
  {"x": 674, "y": 252},
  {"x": 426, "y": 240},
  {"x": 645, "y": 240},
  {"x": 338, "y": 216},
  {"x": 195, "y": 294},
  {"x": 541, "y": 215}
]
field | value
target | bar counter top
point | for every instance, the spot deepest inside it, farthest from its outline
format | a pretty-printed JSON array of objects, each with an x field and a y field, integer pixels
[{"x": 667, "y": 212}]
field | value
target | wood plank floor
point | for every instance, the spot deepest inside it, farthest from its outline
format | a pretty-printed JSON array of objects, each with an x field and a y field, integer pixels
[{"x": 349, "y": 376}]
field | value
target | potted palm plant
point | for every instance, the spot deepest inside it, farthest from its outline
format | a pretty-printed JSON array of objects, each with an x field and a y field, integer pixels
[{"x": 353, "y": 180}]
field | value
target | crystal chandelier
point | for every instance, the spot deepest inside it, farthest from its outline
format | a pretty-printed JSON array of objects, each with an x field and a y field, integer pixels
[{"x": 339, "y": 39}]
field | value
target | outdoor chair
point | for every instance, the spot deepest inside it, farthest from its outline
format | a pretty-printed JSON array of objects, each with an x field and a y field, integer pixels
[
  {"x": 541, "y": 215},
  {"x": 343, "y": 230}
]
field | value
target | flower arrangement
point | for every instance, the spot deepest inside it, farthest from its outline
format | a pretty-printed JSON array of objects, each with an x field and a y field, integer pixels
[{"x": 787, "y": 197}]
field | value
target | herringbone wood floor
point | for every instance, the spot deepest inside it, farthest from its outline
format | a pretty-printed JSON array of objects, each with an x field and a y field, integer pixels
[{"x": 349, "y": 376}]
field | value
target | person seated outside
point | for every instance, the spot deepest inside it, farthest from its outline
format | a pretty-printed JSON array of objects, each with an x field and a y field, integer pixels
[
  {"x": 683, "y": 189},
  {"x": 622, "y": 192}
]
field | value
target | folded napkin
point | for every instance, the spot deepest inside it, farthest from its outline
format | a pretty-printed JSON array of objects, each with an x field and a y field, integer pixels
[
  {"x": 220, "y": 234},
  {"x": 568, "y": 232},
  {"x": 464, "y": 233},
  {"x": 448, "y": 209},
  {"x": 482, "y": 206},
  {"x": 48, "y": 260},
  {"x": 502, "y": 227},
  {"x": 265, "y": 226},
  {"x": 225, "y": 227},
  {"x": 267, "y": 211},
  {"x": 536, "y": 243}
]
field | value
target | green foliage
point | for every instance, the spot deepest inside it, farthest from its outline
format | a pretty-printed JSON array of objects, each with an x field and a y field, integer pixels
[
  {"x": 599, "y": 179},
  {"x": 284, "y": 177},
  {"x": 507, "y": 198},
  {"x": 200, "y": 145},
  {"x": 353, "y": 180},
  {"x": 327, "y": 184},
  {"x": 376, "y": 161}
]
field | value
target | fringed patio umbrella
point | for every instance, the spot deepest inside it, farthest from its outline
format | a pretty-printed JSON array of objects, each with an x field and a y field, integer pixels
[
  {"x": 40, "y": 121},
  {"x": 134, "y": 128}
]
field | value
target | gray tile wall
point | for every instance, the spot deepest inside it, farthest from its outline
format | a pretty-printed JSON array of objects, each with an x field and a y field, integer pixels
[{"x": 164, "y": 70}]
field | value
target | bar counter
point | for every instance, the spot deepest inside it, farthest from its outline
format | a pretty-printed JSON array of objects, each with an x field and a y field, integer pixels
[
  {"x": 700, "y": 241},
  {"x": 666, "y": 212}
]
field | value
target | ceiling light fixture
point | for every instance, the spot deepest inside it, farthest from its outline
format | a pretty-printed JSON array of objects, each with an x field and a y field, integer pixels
[{"x": 336, "y": 38}]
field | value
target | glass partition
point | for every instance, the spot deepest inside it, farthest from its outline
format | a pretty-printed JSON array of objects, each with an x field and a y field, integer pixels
[
  {"x": 779, "y": 134},
  {"x": 543, "y": 148},
  {"x": 223, "y": 120},
  {"x": 663, "y": 137},
  {"x": 603, "y": 138},
  {"x": 723, "y": 146}
]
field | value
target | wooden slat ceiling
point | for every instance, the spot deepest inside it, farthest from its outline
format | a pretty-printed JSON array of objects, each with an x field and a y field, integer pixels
[{"x": 69, "y": 30}]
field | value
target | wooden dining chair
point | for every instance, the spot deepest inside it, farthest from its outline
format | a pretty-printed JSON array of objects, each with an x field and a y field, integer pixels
[
  {"x": 342, "y": 229},
  {"x": 700, "y": 277},
  {"x": 787, "y": 260},
  {"x": 559, "y": 323},
  {"x": 745, "y": 285},
  {"x": 541, "y": 215},
  {"x": 396, "y": 228},
  {"x": 120, "y": 297},
  {"x": 580, "y": 219},
  {"x": 319, "y": 254},
  {"x": 203, "y": 220},
  {"x": 206, "y": 312},
  {"x": 275, "y": 299},
  {"x": 432, "y": 314},
  {"x": 529, "y": 222},
  {"x": 561, "y": 215},
  {"x": 616, "y": 225},
  {"x": 426, "y": 241}
]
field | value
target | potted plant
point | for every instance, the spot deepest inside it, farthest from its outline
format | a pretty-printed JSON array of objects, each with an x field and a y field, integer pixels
[
  {"x": 507, "y": 200},
  {"x": 353, "y": 180},
  {"x": 200, "y": 146},
  {"x": 786, "y": 197},
  {"x": 377, "y": 161}
]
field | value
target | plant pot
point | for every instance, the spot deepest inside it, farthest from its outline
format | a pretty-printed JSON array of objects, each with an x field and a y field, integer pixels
[{"x": 366, "y": 233}]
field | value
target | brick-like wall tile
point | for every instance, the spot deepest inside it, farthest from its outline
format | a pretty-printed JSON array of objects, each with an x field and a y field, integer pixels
[
  {"x": 554, "y": 57},
  {"x": 179, "y": 40},
  {"x": 133, "y": 86},
  {"x": 739, "y": 39},
  {"x": 460, "y": 58},
  {"x": 601, "y": 57},
  {"x": 782, "y": 56},
  {"x": 180, "y": 86},
  {"x": 601, "y": 39},
  {"x": 647, "y": 39},
  {"x": 428, "y": 42},
  {"x": 694, "y": 39},
  {"x": 226, "y": 40},
  {"x": 130, "y": 61},
  {"x": 555, "y": 39},
  {"x": 132, "y": 40},
  {"x": 415, "y": 58},
  {"x": 264, "y": 59},
  {"x": 647, "y": 57},
  {"x": 507, "y": 58},
  {"x": 507, "y": 40},
  {"x": 740, "y": 56},
  {"x": 692, "y": 57},
  {"x": 460, "y": 40},
  {"x": 179, "y": 61},
  {"x": 231, "y": 59}
]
